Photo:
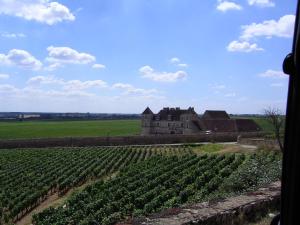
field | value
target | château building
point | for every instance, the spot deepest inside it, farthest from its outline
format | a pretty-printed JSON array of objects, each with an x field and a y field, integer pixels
[{"x": 187, "y": 121}]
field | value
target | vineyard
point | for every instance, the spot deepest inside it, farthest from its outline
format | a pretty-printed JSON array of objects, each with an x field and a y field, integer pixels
[
  {"x": 128, "y": 181},
  {"x": 28, "y": 176}
]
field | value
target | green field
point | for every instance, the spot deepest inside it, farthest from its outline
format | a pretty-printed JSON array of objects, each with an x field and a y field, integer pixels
[
  {"x": 264, "y": 124},
  {"x": 49, "y": 129},
  {"x": 86, "y": 128}
]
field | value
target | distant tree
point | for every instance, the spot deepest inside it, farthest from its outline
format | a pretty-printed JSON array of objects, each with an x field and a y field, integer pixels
[{"x": 276, "y": 119}]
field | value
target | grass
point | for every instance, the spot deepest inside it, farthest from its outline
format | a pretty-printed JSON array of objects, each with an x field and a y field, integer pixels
[
  {"x": 208, "y": 148},
  {"x": 264, "y": 124},
  {"x": 88, "y": 128},
  {"x": 51, "y": 129}
]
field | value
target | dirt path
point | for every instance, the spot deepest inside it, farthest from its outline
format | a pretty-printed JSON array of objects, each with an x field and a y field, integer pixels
[
  {"x": 52, "y": 201},
  {"x": 237, "y": 148},
  {"x": 26, "y": 220},
  {"x": 227, "y": 148}
]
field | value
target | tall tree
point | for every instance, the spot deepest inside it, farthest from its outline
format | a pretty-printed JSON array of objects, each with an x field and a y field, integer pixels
[{"x": 276, "y": 118}]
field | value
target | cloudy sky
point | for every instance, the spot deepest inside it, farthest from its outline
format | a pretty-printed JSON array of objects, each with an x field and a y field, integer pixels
[{"x": 123, "y": 55}]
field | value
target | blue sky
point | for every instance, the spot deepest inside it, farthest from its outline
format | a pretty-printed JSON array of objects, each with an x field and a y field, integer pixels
[{"x": 124, "y": 55}]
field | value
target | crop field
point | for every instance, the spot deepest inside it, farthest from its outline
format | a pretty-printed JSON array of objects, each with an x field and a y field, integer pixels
[
  {"x": 124, "y": 181},
  {"x": 51, "y": 129},
  {"x": 28, "y": 176}
]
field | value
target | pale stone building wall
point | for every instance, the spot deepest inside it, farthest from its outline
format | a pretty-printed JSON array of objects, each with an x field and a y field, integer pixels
[
  {"x": 185, "y": 124},
  {"x": 187, "y": 121}
]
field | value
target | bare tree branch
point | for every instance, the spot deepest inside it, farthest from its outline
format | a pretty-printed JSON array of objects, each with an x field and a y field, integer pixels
[{"x": 276, "y": 118}]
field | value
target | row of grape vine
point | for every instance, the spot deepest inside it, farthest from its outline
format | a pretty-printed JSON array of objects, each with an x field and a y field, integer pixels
[
  {"x": 29, "y": 176},
  {"x": 152, "y": 185}
]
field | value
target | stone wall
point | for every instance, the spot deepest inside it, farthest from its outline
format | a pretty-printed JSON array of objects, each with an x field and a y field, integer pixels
[
  {"x": 260, "y": 142},
  {"x": 123, "y": 140},
  {"x": 235, "y": 210}
]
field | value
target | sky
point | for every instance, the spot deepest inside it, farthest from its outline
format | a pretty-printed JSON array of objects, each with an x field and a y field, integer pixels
[{"x": 124, "y": 55}]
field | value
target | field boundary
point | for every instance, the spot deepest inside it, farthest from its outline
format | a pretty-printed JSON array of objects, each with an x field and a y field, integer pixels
[
  {"x": 125, "y": 140},
  {"x": 260, "y": 142}
]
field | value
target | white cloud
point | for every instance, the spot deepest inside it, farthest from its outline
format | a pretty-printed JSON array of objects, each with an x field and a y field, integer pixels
[
  {"x": 273, "y": 74},
  {"x": 7, "y": 89},
  {"x": 75, "y": 95},
  {"x": 52, "y": 66},
  {"x": 35, "y": 99},
  {"x": 71, "y": 93},
  {"x": 183, "y": 65},
  {"x": 227, "y": 5},
  {"x": 175, "y": 60},
  {"x": 284, "y": 27},
  {"x": 39, "y": 80},
  {"x": 148, "y": 72},
  {"x": 261, "y": 3},
  {"x": 66, "y": 55},
  {"x": 20, "y": 58},
  {"x": 34, "y": 93},
  {"x": 43, "y": 11},
  {"x": 4, "y": 76},
  {"x": 81, "y": 85},
  {"x": 12, "y": 35},
  {"x": 122, "y": 86},
  {"x": 78, "y": 85},
  {"x": 70, "y": 85},
  {"x": 244, "y": 46},
  {"x": 99, "y": 66},
  {"x": 130, "y": 89},
  {"x": 230, "y": 95}
]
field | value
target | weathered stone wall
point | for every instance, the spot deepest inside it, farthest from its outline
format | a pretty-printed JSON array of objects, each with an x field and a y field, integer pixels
[
  {"x": 123, "y": 140},
  {"x": 235, "y": 210},
  {"x": 260, "y": 142},
  {"x": 166, "y": 127}
]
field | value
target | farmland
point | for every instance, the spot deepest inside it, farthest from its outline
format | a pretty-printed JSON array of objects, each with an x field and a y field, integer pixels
[
  {"x": 82, "y": 128},
  {"x": 51, "y": 129},
  {"x": 124, "y": 181},
  {"x": 28, "y": 176}
]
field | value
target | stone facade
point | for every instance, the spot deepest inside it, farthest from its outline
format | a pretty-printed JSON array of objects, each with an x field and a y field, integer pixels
[
  {"x": 171, "y": 121},
  {"x": 187, "y": 122}
]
